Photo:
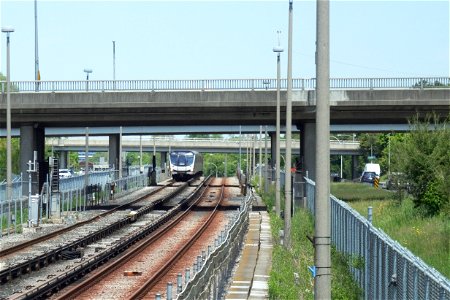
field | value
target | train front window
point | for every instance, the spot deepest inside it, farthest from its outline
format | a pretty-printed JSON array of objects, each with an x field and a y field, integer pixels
[{"x": 182, "y": 159}]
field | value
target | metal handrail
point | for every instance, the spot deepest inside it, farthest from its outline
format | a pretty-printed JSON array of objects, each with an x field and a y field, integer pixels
[{"x": 223, "y": 84}]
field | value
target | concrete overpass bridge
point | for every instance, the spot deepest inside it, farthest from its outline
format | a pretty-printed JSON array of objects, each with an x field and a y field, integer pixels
[
  {"x": 37, "y": 105},
  {"x": 209, "y": 145}
]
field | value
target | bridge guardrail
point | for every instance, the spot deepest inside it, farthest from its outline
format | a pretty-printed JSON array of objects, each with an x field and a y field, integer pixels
[
  {"x": 381, "y": 266},
  {"x": 222, "y": 84}
]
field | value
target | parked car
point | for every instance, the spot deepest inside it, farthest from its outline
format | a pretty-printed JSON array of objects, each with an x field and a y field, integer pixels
[
  {"x": 368, "y": 177},
  {"x": 397, "y": 180},
  {"x": 65, "y": 173}
]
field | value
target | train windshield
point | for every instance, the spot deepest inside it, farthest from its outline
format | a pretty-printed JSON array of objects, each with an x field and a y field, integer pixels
[{"x": 182, "y": 158}]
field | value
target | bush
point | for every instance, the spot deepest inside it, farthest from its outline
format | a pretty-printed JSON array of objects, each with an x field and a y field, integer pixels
[{"x": 424, "y": 157}]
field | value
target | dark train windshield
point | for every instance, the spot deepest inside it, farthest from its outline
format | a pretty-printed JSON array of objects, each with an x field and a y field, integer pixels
[{"x": 182, "y": 158}]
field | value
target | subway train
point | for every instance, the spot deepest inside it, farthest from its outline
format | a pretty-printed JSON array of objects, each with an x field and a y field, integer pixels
[{"x": 185, "y": 164}]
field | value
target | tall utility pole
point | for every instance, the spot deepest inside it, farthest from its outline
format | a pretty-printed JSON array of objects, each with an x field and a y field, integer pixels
[
  {"x": 260, "y": 157},
  {"x": 86, "y": 166},
  {"x": 8, "y": 30},
  {"x": 278, "y": 50},
  {"x": 36, "y": 53},
  {"x": 287, "y": 183},
  {"x": 322, "y": 259},
  {"x": 120, "y": 152},
  {"x": 114, "y": 60},
  {"x": 266, "y": 179}
]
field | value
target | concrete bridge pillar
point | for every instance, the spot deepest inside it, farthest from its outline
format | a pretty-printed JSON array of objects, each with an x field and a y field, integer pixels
[
  {"x": 63, "y": 159},
  {"x": 163, "y": 161},
  {"x": 355, "y": 173},
  {"x": 32, "y": 139},
  {"x": 273, "y": 149},
  {"x": 308, "y": 149},
  {"x": 114, "y": 148}
]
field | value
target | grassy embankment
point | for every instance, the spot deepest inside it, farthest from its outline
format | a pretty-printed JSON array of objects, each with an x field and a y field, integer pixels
[
  {"x": 428, "y": 238},
  {"x": 283, "y": 283}
]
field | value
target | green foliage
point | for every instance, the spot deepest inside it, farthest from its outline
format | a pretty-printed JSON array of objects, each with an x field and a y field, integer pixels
[
  {"x": 15, "y": 157},
  {"x": 282, "y": 282},
  {"x": 73, "y": 160},
  {"x": 425, "y": 84},
  {"x": 204, "y": 136},
  {"x": 211, "y": 162},
  {"x": 424, "y": 158},
  {"x": 3, "y": 84},
  {"x": 428, "y": 238},
  {"x": 342, "y": 284}
]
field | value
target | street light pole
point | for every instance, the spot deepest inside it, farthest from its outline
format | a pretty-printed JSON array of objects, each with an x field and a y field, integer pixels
[
  {"x": 37, "y": 75},
  {"x": 260, "y": 157},
  {"x": 8, "y": 30},
  {"x": 287, "y": 183},
  {"x": 278, "y": 49},
  {"x": 114, "y": 60}
]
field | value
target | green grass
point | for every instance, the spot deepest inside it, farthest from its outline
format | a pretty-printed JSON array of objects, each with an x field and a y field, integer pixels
[
  {"x": 351, "y": 191},
  {"x": 282, "y": 282},
  {"x": 426, "y": 237},
  {"x": 19, "y": 221}
]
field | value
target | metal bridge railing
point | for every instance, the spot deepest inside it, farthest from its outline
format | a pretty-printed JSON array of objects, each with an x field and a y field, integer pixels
[
  {"x": 222, "y": 84},
  {"x": 382, "y": 267}
]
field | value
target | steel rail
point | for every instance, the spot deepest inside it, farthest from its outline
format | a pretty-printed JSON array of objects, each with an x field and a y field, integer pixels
[
  {"x": 51, "y": 256},
  {"x": 48, "y": 236},
  {"x": 152, "y": 281},
  {"x": 157, "y": 231}
]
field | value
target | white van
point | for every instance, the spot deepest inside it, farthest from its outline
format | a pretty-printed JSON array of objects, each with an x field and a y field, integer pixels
[{"x": 370, "y": 167}]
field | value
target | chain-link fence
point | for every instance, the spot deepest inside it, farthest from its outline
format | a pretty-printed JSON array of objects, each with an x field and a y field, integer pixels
[
  {"x": 382, "y": 267},
  {"x": 73, "y": 196}
]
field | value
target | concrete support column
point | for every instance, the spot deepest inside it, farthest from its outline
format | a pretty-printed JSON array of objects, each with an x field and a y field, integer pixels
[
  {"x": 308, "y": 149},
  {"x": 355, "y": 173},
  {"x": 32, "y": 138},
  {"x": 163, "y": 161},
  {"x": 273, "y": 148},
  {"x": 27, "y": 146},
  {"x": 63, "y": 159},
  {"x": 114, "y": 149}
]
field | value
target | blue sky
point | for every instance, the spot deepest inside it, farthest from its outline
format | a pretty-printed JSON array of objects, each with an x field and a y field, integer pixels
[{"x": 223, "y": 39}]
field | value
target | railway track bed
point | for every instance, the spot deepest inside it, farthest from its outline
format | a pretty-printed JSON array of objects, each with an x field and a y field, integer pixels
[{"x": 80, "y": 261}]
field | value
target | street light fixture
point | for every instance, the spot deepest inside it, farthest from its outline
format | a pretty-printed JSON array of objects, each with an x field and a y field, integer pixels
[
  {"x": 8, "y": 30},
  {"x": 87, "y": 71},
  {"x": 278, "y": 49}
]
